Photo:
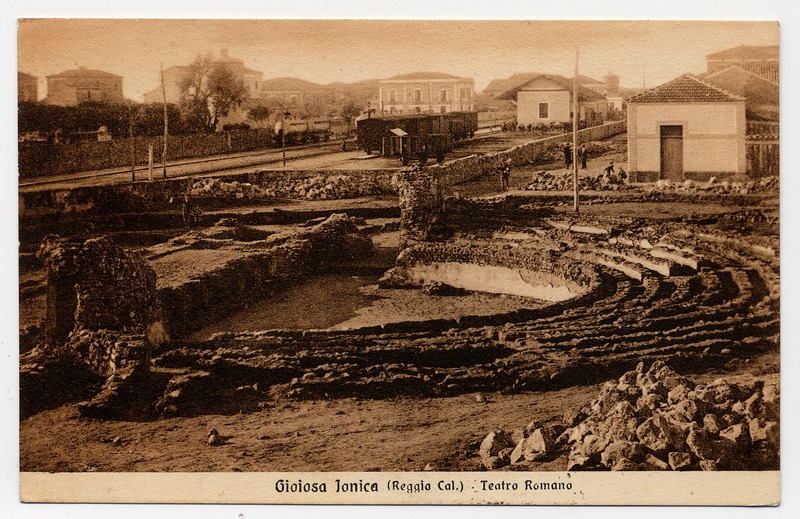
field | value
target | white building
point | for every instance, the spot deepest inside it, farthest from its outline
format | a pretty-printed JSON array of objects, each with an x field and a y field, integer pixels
[
  {"x": 426, "y": 92},
  {"x": 685, "y": 129},
  {"x": 547, "y": 98}
]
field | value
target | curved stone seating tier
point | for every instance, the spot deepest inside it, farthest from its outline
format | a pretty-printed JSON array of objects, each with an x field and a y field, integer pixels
[{"x": 693, "y": 297}]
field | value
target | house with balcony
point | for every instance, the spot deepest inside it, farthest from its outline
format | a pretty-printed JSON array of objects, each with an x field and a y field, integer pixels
[{"x": 426, "y": 92}]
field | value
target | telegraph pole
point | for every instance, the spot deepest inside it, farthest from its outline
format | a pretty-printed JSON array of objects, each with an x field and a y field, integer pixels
[
  {"x": 283, "y": 138},
  {"x": 575, "y": 115},
  {"x": 133, "y": 142},
  {"x": 166, "y": 127}
]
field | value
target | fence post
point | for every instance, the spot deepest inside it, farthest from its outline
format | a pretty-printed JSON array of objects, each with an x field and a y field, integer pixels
[{"x": 150, "y": 161}]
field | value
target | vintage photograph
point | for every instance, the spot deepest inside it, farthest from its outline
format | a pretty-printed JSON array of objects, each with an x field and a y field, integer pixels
[{"x": 492, "y": 262}]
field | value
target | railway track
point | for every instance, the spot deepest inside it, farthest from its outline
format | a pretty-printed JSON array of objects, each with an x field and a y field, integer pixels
[{"x": 180, "y": 168}]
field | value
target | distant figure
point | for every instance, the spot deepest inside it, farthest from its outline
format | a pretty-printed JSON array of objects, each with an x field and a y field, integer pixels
[
  {"x": 567, "y": 155},
  {"x": 610, "y": 168},
  {"x": 582, "y": 154},
  {"x": 505, "y": 173},
  {"x": 188, "y": 211},
  {"x": 344, "y": 144}
]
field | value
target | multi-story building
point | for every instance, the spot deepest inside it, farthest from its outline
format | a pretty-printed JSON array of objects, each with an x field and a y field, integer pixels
[
  {"x": 293, "y": 93},
  {"x": 172, "y": 90},
  {"x": 762, "y": 61},
  {"x": 81, "y": 85},
  {"x": 173, "y": 76},
  {"x": 426, "y": 92},
  {"x": 27, "y": 88}
]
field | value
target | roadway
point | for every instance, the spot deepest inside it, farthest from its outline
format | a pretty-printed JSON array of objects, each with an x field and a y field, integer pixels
[{"x": 327, "y": 156}]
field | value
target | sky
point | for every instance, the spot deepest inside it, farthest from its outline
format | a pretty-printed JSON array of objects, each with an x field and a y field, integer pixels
[{"x": 324, "y": 51}]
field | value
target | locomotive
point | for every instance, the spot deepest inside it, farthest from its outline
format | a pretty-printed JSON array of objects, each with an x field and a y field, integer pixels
[{"x": 415, "y": 136}]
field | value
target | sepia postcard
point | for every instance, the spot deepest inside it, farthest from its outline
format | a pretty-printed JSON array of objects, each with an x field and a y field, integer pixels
[{"x": 463, "y": 262}]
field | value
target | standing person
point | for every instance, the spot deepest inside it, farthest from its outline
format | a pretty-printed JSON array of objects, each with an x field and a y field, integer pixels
[
  {"x": 582, "y": 154},
  {"x": 610, "y": 168},
  {"x": 505, "y": 173},
  {"x": 568, "y": 155},
  {"x": 187, "y": 210}
]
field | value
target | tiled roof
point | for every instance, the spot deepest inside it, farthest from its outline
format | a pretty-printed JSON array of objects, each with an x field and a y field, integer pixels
[
  {"x": 500, "y": 86},
  {"x": 424, "y": 76},
  {"x": 584, "y": 94},
  {"x": 289, "y": 83},
  {"x": 684, "y": 89},
  {"x": 747, "y": 52},
  {"x": 740, "y": 82},
  {"x": 83, "y": 72}
]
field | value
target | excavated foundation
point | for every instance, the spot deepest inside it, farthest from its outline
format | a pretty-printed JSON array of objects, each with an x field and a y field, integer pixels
[{"x": 611, "y": 291}]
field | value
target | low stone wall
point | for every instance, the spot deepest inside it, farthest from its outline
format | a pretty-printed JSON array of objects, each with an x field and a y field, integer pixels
[
  {"x": 148, "y": 196},
  {"x": 420, "y": 209},
  {"x": 319, "y": 186}
]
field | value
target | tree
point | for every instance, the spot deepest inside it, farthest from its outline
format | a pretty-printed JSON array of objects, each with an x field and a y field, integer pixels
[
  {"x": 349, "y": 111},
  {"x": 227, "y": 91},
  {"x": 259, "y": 115},
  {"x": 208, "y": 92}
]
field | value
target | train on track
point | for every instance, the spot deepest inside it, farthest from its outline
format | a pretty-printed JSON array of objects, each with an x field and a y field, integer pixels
[
  {"x": 415, "y": 136},
  {"x": 306, "y": 131}
]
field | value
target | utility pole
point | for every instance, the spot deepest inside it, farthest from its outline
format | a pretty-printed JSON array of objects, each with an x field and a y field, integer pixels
[
  {"x": 283, "y": 138},
  {"x": 575, "y": 115},
  {"x": 166, "y": 127},
  {"x": 133, "y": 142}
]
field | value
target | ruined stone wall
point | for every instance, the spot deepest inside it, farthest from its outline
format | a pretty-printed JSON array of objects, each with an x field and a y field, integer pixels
[
  {"x": 263, "y": 268},
  {"x": 101, "y": 298},
  {"x": 421, "y": 202}
]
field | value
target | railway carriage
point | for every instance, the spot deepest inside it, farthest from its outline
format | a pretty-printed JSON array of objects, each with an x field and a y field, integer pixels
[{"x": 415, "y": 136}]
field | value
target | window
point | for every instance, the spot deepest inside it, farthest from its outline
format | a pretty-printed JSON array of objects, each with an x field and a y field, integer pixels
[
  {"x": 417, "y": 96},
  {"x": 393, "y": 96},
  {"x": 544, "y": 110},
  {"x": 443, "y": 96},
  {"x": 463, "y": 92}
]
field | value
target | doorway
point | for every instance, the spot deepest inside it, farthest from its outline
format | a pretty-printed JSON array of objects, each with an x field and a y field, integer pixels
[{"x": 672, "y": 152}]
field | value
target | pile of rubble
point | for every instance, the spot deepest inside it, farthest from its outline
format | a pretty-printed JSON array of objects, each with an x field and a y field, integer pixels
[
  {"x": 562, "y": 181},
  {"x": 724, "y": 187},
  {"x": 656, "y": 420},
  {"x": 318, "y": 187}
]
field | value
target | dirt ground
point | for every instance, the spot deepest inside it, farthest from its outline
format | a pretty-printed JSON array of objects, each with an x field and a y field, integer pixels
[
  {"x": 404, "y": 434},
  {"x": 346, "y": 434}
]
